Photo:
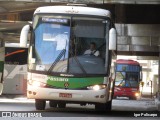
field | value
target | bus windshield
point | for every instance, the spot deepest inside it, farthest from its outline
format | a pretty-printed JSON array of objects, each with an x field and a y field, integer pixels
[
  {"x": 61, "y": 43},
  {"x": 127, "y": 79}
]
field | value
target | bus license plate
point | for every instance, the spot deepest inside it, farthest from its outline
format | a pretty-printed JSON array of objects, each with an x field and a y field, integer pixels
[{"x": 65, "y": 95}]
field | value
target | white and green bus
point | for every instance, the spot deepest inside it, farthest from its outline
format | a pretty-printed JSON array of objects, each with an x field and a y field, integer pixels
[
  {"x": 2, "y": 50},
  {"x": 58, "y": 69}
]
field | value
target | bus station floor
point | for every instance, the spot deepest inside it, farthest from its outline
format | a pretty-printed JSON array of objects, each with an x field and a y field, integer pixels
[{"x": 119, "y": 104}]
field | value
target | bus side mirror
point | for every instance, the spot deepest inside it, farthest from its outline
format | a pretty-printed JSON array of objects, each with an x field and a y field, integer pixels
[
  {"x": 112, "y": 39},
  {"x": 24, "y": 36}
]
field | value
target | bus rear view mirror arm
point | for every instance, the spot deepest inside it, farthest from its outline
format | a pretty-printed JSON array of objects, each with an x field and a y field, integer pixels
[{"x": 24, "y": 36}]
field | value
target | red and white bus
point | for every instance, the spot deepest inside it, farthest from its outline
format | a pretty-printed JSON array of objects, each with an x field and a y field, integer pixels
[{"x": 128, "y": 78}]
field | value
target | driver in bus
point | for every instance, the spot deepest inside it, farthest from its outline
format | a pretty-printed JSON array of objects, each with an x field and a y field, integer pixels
[{"x": 92, "y": 50}]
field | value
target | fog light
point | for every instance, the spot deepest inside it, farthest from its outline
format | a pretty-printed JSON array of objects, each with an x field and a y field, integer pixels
[
  {"x": 34, "y": 93},
  {"x": 102, "y": 96},
  {"x": 97, "y": 96}
]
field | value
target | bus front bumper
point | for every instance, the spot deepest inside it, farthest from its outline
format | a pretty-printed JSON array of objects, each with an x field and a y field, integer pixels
[{"x": 88, "y": 96}]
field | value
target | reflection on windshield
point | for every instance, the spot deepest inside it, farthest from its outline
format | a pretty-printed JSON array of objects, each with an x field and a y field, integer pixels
[
  {"x": 50, "y": 40},
  {"x": 87, "y": 32},
  {"x": 53, "y": 35},
  {"x": 126, "y": 79},
  {"x": 91, "y": 64},
  {"x": 126, "y": 83}
]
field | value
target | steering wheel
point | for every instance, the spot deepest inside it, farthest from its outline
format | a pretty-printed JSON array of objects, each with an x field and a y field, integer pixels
[{"x": 89, "y": 54}]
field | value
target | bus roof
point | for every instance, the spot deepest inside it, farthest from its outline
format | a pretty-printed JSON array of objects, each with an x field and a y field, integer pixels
[
  {"x": 123, "y": 61},
  {"x": 73, "y": 10}
]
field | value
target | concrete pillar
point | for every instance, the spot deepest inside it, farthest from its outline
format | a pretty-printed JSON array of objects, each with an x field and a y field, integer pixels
[
  {"x": 159, "y": 71},
  {"x": 159, "y": 68},
  {"x": 120, "y": 12},
  {"x": 157, "y": 100}
]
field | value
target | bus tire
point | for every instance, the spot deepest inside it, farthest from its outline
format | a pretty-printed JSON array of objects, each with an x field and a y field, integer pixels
[
  {"x": 114, "y": 97},
  {"x": 61, "y": 105},
  {"x": 100, "y": 107},
  {"x": 104, "y": 106},
  {"x": 40, "y": 104},
  {"x": 133, "y": 98},
  {"x": 52, "y": 103},
  {"x": 109, "y": 106}
]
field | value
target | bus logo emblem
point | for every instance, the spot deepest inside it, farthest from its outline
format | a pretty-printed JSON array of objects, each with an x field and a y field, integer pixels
[{"x": 66, "y": 85}]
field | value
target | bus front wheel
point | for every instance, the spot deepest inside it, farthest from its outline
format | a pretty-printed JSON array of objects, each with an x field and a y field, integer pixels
[
  {"x": 133, "y": 98},
  {"x": 40, "y": 104}
]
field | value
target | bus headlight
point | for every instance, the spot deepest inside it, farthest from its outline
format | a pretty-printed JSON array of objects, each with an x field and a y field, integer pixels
[
  {"x": 36, "y": 83},
  {"x": 96, "y": 87},
  {"x": 137, "y": 94}
]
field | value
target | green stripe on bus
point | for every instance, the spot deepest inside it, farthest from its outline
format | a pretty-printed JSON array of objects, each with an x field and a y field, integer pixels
[{"x": 74, "y": 83}]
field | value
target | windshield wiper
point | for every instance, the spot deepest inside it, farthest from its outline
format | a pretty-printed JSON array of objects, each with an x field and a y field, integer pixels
[{"x": 57, "y": 60}]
